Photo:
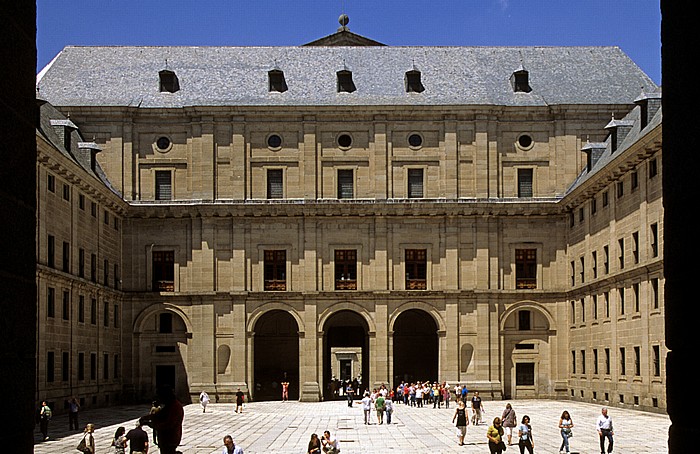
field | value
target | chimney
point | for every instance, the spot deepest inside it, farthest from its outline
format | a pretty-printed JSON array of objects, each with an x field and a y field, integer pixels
[
  {"x": 618, "y": 131},
  {"x": 87, "y": 154},
  {"x": 594, "y": 151}
]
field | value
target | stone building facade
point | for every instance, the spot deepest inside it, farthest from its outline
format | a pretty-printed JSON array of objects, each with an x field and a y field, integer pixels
[{"x": 469, "y": 215}]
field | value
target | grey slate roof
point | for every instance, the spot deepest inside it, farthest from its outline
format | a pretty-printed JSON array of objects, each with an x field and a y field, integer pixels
[{"x": 237, "y": 76}]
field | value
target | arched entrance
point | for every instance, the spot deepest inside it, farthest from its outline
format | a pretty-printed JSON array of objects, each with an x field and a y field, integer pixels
[
  {"x": 416, "y": 354},
  {"x": 345, "y": 353},
  {"x": 276, "y": 356}
]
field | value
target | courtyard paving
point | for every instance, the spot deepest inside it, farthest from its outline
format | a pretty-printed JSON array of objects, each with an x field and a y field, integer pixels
[{"x": 285, "y": 427}]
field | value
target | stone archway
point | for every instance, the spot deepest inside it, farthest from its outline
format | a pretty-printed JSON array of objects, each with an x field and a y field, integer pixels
[
  {"x": 276, "y": 356},
  {"x": 345, "y": 353},
  {"x": 416, "y": 347}
]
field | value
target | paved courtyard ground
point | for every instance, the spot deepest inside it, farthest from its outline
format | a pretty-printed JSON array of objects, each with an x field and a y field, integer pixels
[{"x": 285, "y": 427}]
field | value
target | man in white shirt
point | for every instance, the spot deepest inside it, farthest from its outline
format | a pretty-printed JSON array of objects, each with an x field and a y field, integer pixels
[
  {"x": 367, "y": 407},
  {"x": 604, "y": 426},
  {"x": 330, "y": 444},
  {"x": 230, "y": 447}
]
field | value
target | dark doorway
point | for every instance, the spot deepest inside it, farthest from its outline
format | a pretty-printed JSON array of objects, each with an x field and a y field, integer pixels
[
  {"x": 276, "y": 356},
  {"x": 345, "y": 329},
  {"x": 165, "y": 377},
  {"x": 415, "y": 347}
]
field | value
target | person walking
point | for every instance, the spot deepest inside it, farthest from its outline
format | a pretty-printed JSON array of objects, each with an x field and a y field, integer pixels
[
  {"x": 495, "y": 436},
  {"x": 380, "y": 406},
  {"x": 604, "y": 425},
  {"x": 509, "y": 422},
  {"x": 168, "y": 421},
  {"x": 88, "y": 441},
  {"x": 73, "y": 408},
  {"x": 367, "y": 407},
  {"x": 388, "y": 410},
  {"x": 240, "y": 397},
  {"x": 44, "y": 418},
  {"x": 565, "y": 425},
  {"x": 525, "y": 440},
  {"x": 350, "y": 391},
  {"x": 314, "y": 445},
  {"x": 119, "y": 441},
  {"x": 204, "y": 400},
  {"x": 138, "y": 439},
  {"x": 462, "y": 421},
  {"x": 477, "y": 408}
]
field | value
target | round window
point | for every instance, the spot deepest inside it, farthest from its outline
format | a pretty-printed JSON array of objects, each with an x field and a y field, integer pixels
[
  {"x": 525, "y": 141},
  {"x": 274, "y": 141},
  {"x": 163, "y": 143},
  {"x": 344, "y": 141},
  {"x": 415, "y": 140}
]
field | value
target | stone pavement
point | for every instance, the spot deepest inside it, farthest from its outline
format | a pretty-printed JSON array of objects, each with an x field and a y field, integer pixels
[{"x": 285, "y": 427}]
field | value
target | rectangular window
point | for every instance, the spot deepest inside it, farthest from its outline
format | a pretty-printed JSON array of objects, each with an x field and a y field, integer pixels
[
  {"x": 50, "y": 182},
  {"x": 525, "y": 269},
  {"x": 594, "y": 264},
  {"x": 606, "y": 259},
  {"x": 117, "y": 280},
  {"x": 655, "y": 293},
  {"x": 607, "y": 361},
  {"x": 66, "y": 305},
  {"x": 105, "y": 272},
  {"x": 81, "y": 201},
  {"x": 93, "y": 209},
  {"x": 623, "y": 361},
  {"x": 654, "y": 240},
  {"x": 163, "y": 267},
  {"x": 345, "y": 269},
  {"x": 656, "y": 351},
  {"x": 81, "y": 308},
  {"x": 525, "y": 183},
  {"x": 606, "y": 198},
  {"x": 415, "y": 184},
  {"x": 50, "y": 302},
  {"x": 275, "y": 184},
  {"x": 637, "y": 361},
  {"x": 164, "y": 185},
  {"x": 105, "y": 217},
  {"x": 416, "y": 263},
  {"x": 66, "y": 257},
  {"x": 165, "y": 323},
  {"x": 525, "y": 374},
  {"x": 345, "y": 184},
  {"x": 595, "y": 361},
  {"x": 116, "y": 316},
  {"x": 93, "y": 267},
  {"x": 93, "y": 311},
  {"x": 621, "y": 297},
  {"x": 583, "y": 361},
  {"x": 93, "y": 366},
  {"x": 524, "y": 320},
  {"x": 51, "y": 251},
  {"x": 653, "y": 168},
  {"x": 621, "y": 251},
  {"x": 105, "y": 314},
  {"x": 50, "y": 365},
  {"x": 275, "y": 270},
  {"x": 66, "y": 192},
  {"x": 635, "y": 247},
  {"x": 81, "y": 366},
  {"x": 65, "y": 366},
  {"x": 81, "y": 262}
]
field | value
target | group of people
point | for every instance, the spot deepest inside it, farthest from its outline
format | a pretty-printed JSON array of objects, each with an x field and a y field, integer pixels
[
  {"x": 379, "y": 401},
  {"x": 326, "y": 444},
  {"x": 504, "y": 428}
]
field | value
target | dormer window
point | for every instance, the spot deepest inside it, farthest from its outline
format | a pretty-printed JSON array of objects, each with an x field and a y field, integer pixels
[
  {"x": 520, "y": 81},
  {"x": 276, "y": 81},
  {"x": 345, "y": 83},
  {"x": 413, "y": 82},
  {"x": 168, "y": 81}
]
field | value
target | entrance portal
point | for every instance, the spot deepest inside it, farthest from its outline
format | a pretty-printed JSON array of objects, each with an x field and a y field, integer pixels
[
  {"x": 415, "y": 347},
  {"x": 345, "y": 354},
  {"x": 276, "y": 356}
]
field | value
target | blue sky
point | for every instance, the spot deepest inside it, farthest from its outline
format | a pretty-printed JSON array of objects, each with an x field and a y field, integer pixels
[{"x": 632, "y": 25}]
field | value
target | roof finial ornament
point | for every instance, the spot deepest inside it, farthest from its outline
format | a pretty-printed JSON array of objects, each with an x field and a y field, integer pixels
[{"x": 343, "y": 20}]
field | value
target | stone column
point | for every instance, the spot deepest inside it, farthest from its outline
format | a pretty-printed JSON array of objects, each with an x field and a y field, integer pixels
[{"x": 310, "y": 368}]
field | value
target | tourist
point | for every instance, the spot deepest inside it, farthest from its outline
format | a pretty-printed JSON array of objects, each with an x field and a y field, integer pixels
[
  {"x": 477, "y": 408},
  {"x": 73, "y": 407},
  {"x": 565, "y": 424},
  {"x": 330, "y": 444},
  {"x": 462, "y": 421},
  {"x": 495, "y": 436},
  {"x": 88, "y": 439},
  {"x": 204, "y": 400},
  {"x": 168, "y": 421},
  {"x": 230, "y": 447},
  {"x": 419, "y": 395},
  {"x": 525, "y": 440},
  {"x": 379, "y": 406},
  {"x": 119, "y": 441},
  {"x": 155, "y": 408},
  {"x": 388, "y": 410},
  {"x": 367, "y": 407},
  {"x": 604, "y": 426},
  {"x": 350, "y": 392},
  {"x": 240, "y": 397},
  {"x": 44, "y": 418},
  {"x": 138, "y": 439},
  {"x": 446, "y": 395},
  {"x": 285, "y": 391},
  {"x": 314, "y": 445},
  {"x": 509, "y": 422}
]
